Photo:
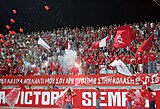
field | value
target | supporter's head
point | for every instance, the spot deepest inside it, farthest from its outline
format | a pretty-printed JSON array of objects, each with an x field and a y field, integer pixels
[
  {"x": 54, "y": 85},
  {"x": 127, "y": 53},
  {"x": 129, "y": 90},
  {"x": 29, "y": 86},
  {"x": 116, "y": 58},
  {"x": 149, "y": 89},
  {"x": 97, "y": 89},
  {"x": 69, "y": 92}
]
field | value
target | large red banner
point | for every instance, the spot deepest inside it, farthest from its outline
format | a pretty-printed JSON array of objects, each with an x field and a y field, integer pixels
[
  {"x": 80, "y": 80},
  {"x": 84, "y": 99}
]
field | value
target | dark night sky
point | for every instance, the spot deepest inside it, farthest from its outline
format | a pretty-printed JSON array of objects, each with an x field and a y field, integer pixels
[{"x": 32, "y": 16}]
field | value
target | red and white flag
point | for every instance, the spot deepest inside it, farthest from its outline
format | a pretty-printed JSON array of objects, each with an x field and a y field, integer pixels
[
  {"x": 60, "y": 101},
  {"x": 127, "y": 27},
  {"x": 100, "y": 43},
  {"x": 11, "y": 97},
  {"x": 121, "y": 67},
  {"x": 122, "y": 39},
  {"x": 139, "y": 100}
]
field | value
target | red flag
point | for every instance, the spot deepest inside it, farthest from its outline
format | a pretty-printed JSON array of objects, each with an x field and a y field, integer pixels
[
  {"x": 100, "y": 43},
  {"x": 146, "y": 45},
  {"x": 95, "y": 45},
  {"x": 122, "y": 39},
  {"x": 127, "y": 27}
]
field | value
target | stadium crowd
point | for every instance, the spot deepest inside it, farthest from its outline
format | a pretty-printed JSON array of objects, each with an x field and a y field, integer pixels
[{"x": 22, "y": 55}]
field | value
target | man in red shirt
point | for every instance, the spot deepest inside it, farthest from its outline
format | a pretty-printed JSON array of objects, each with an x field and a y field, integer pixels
[
  {"x": 68, "y": 99},
  {"x": 129, "y": 96},
  {"x": 127, "y": 60},
  {"x": 98, "y": 99},
  {"x": 133, "y": 66},
  {"x": 92, "y": 64},
  {"x": 151, "y": 99},
  {"x": 21, "y": 86},
  {"x": 145, "y": 62}
]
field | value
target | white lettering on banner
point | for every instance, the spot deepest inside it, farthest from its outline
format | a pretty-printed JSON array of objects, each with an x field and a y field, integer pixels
[
  {"x": 26, "y": 81},
  {"x": 37, "y": 94},
  {"x": 13, "y": 81},
  {"x": 37, "y": 81},
  {"x": 146, "y": 79},
  {"x": 86, "y": 80},
  {"x": 111, "y": 80},
  {"x": 86, "y": 99},
  {"x": 98, "y": 80},
  {"x": 3, "y": 80},
  {"x": 114, "y": 98},
  {"x": 2, "y": 96},
  {"x": 27, "y": 101},
  {"x": 18, "y": 97},
  {"x": 33, "y": 81},
  {"x": 10, "y": 81},
  {"x": 45, "y": 98},
  {"x": 49, "y": 80},
  {"x": 157, "y": 79},
  {"x": 54, "y": 96},
  {"x": 124, "y": 99},
  {"x": 130, "y": 80},
  {"x": 60, "y": 80},
  {"x": 94, "y": 98},
  {"x": 22, "y": 97},
  {"x": 103, "y": 99},
  {"x": 42, "y": 80},
  {"x": 69, "y": 81}
]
